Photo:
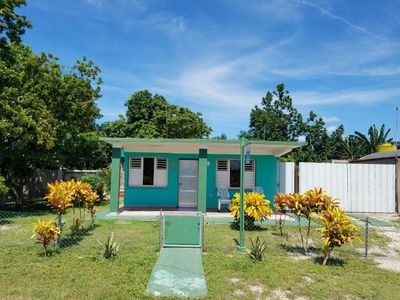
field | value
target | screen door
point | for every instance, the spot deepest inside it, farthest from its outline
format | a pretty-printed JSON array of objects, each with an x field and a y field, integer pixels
[{"x": 188, "y": 170}]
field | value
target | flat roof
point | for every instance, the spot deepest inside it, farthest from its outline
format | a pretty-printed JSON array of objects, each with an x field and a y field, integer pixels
[{"x": 190, "y": 146}]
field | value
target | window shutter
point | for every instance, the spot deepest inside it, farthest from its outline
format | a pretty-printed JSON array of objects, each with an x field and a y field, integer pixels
[
  {"x": 222, "y": 173},
  {"x": 161, "y": 172},
  {"x": 161, "y": 163},
  {"x": 135, "y": 171},
  {"x": 249, "y": 175}
]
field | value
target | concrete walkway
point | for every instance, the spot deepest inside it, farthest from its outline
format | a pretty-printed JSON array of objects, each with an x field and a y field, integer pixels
[{"x": 178, "y": 273}]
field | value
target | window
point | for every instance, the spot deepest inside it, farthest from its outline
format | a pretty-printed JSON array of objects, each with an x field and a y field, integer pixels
[
  {"x": 228, "y": 173},
  {"x": 148, "y": 171},
  {"x": 234, "y": 173}
]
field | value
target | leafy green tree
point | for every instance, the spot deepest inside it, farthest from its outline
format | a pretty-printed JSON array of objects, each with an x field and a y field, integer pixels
[
  {"x": 12, "y": 25},
  {"x": 47, "y": 113},
  {"x": 336, "y": 148},
  {"x": 3, "y": 187},
  {"x": 317, "y": 138},
  {"x": 375, "y": 138},
  {"x": 276, "y": 119},
  {"x": 352, "y": 148},
  {"x": 151, "y": 116},
  {"x": 117, "y": 128}
]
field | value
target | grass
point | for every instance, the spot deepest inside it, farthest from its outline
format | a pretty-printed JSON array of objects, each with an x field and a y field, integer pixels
[{"x": 79, "y": 272}]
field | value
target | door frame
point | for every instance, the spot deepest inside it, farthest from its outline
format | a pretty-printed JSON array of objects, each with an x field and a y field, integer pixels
[{"x": 197, "y": 184}]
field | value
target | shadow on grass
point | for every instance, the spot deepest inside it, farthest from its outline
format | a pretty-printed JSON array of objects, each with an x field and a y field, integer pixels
[
  {"x": 284, "y": 235},
  {"x": 38, "y": 208},
  {"x": 235, "y": 226},
  {"x": 300, "y": 250},
  {"x": 332, "y": 261},
  {"x": 5, "y": 221},
  {"x": 75, "y": 237},
  {"x": 7, "y": 214}
]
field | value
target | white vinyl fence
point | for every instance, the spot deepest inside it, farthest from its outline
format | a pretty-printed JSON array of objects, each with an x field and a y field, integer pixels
[
  {"x": 286, "y": 177},
  {"x": 359, "y": 187}
]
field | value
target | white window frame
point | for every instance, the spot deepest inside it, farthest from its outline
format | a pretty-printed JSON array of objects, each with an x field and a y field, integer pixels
[
  {"x": 223, "y": 176},
  {"x": 160, "y": 175}
]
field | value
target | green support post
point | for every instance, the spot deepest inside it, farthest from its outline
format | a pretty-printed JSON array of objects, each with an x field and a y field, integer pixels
[
  {"x": 202, "y": 181},
  {"x": 115, "y": 173},
  {"x": 242, "y": 247}
]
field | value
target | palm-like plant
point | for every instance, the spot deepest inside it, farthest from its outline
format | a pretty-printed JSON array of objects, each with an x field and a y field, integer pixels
[{"x": 374, "y": 139}]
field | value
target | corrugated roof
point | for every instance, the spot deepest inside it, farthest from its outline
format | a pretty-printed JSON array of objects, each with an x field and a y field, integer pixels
[{"x": 378, "y": 155}]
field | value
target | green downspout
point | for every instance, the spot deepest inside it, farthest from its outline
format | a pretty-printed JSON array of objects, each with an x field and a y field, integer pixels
[
  {"x": 202, "y": 181},
  {"x": 115, "y": 173}
]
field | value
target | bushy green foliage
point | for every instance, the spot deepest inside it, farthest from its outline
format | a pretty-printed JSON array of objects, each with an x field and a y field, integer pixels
[
  {"x": 96, "y": 182},
  {"x": 105, "y": 174},
  {"x": 277, "y": 119},
  {"x": 3, "y": 187},
  {"x": 151, "y": 116}
]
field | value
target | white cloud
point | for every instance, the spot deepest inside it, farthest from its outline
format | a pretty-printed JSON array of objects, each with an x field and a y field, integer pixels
[
  {"x": 331, "y": 129},
  {"x": 347, "y": 96},
  {"x": 96, "y": 3},
  {"x": 331, "y": 119},
  {"x": 341, "y": 19}
]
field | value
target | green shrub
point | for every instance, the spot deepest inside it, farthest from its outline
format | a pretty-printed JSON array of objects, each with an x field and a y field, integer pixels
[
  {"x": 105, "y": 174},
  {"x": 3, "y": 187},
  {"x": 258, "y": 248},
  {"x": 110, "y": 247},
  {"x": 96, "y": 182}
]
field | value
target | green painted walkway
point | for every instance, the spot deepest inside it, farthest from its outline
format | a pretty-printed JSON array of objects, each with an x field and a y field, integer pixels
[
  {"x": 371, "y": 220},
  {"x": 178, "y": 273}
]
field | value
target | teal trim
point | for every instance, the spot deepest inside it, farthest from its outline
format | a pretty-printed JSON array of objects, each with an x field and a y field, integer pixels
[
  {"x": 202, "y": 181},
  {"x": 115, "y": 174},
  {"x": 266, "y": 172},
  {"x": 211, "y": 141}
]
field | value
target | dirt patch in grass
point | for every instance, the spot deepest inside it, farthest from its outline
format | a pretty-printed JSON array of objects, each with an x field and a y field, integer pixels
[
  {"x": 279, "y": 294},
  {"x": 388, "y": 258},
  {"x": 8, "y": 227},
  {"x": 238, "y": 293}
]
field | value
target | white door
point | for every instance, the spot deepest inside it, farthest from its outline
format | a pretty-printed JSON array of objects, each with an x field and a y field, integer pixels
[{"x": 188, "y": 170}]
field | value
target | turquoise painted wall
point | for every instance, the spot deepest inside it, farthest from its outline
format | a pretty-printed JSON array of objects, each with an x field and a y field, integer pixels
[{"x": 266, "y": 176}]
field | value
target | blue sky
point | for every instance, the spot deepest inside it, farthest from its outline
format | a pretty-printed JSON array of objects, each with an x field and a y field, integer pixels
[{"x": 338, "y": 58}]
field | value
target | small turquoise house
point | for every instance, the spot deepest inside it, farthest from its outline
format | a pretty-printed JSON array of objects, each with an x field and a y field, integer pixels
[{"x": 186, "y": 173}]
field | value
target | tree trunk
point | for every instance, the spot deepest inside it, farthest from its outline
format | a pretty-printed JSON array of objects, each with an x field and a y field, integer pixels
[
  {"x": 326, "y": 259},
  {"x": 59, "y": 225},
  {"x": 301, "y": 234},
  {"x": 308, "y": 234}
]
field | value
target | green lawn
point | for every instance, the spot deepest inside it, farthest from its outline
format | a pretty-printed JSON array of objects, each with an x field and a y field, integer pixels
[{"x": 78, "y": 272}]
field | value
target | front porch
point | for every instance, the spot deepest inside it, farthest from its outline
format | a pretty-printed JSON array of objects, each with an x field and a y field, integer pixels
[{"x": 211, "y": 216}]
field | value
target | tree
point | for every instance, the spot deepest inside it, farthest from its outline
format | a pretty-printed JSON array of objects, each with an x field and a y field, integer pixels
[
  {"x": 276, "y": 119},
  {"x": 336, "y": 144},
  {"x": 151, "y": 116},
  {"x": 12, "y": 25},
  {"x": 47, "y": 113},
  {"x": 352, "y": 147},
  {"x": 375, "y": 138},
  {"x": 317, "y": 138}
]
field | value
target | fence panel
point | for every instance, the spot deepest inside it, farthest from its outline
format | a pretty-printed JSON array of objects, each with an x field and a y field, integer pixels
[
  {"x": 286, "y": 177},
  {"x": 359, "y": 187}
]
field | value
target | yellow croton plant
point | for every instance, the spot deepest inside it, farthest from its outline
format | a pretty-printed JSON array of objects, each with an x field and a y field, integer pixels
[{"x": 255, "y": 206}]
